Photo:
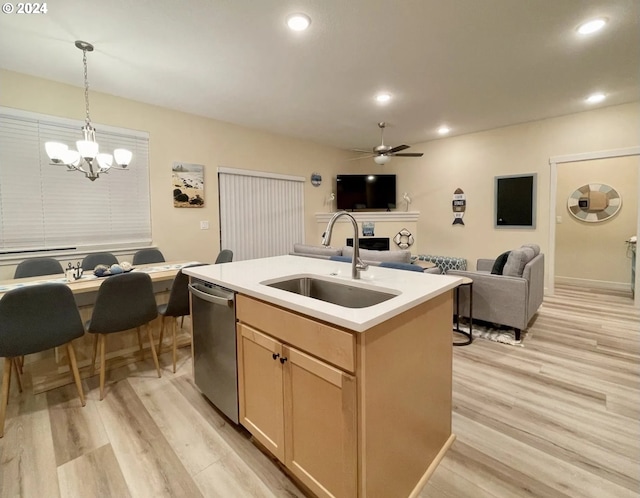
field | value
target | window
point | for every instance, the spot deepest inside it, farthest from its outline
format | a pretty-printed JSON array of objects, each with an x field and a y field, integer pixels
[{"x": 48, "y": 208}]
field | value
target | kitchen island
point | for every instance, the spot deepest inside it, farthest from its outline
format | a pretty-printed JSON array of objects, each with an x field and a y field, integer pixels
[{"x": 353, "y": 401}]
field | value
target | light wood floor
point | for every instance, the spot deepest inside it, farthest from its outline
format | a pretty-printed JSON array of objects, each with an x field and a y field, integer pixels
[{"x": 558, "y": 417}]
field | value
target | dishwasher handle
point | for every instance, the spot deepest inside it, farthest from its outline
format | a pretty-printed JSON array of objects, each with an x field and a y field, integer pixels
[{"x": 195, "y": 289}]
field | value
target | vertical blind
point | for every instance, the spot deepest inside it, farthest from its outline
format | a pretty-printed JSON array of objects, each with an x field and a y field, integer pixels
[
  {"x": 47, "y": 207},
  {"x": 261, "y": 215}
]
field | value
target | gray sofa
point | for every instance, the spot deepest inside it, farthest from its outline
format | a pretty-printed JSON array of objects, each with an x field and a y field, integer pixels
[{"x": 510, "y": 298}]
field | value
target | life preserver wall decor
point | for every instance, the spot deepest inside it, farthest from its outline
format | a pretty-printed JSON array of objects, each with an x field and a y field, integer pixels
[
  {"x": 404, "y": 239},
  {"x": 594, "y": 202}
]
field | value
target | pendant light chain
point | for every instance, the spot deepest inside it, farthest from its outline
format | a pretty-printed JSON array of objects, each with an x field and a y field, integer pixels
[{"x": 86, "y": 85}]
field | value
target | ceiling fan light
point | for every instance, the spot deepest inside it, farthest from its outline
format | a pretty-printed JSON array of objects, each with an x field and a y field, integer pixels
[
  {"x": 382, "y": 159},
  {"x": 55, "y": 151},
  {"x": 122, "y": 157}
]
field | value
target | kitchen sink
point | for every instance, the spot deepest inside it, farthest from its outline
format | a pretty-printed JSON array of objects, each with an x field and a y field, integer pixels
[{"x": 342, "y": 294}]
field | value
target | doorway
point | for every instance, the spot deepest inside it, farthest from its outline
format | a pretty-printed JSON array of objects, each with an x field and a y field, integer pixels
[{"x": 587, "y": 243}]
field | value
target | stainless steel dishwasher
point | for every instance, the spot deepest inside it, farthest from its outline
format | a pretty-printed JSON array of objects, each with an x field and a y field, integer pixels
[{"x": 214, "y": 345}]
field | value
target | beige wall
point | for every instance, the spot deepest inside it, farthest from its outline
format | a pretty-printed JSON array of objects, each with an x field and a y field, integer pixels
[
  {"x": 176, "y": 136},
  {"x": 471, "y": 162},
  {"x": 595, "y": 253}
]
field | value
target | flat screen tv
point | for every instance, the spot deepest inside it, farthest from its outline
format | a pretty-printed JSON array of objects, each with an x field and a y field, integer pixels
[{"x": 354, "y": 192}]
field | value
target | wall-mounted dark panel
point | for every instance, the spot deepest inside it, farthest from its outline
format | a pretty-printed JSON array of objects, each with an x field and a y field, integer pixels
[{"x": 515, "y": 201}]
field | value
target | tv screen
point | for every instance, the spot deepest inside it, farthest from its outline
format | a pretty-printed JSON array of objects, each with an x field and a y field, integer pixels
[{"x": 366, "y": 192}]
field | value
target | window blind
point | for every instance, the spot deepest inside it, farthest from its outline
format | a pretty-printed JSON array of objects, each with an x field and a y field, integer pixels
[
  {"x": 261, "y": 215},
  {"x": 47, "y": 207}
]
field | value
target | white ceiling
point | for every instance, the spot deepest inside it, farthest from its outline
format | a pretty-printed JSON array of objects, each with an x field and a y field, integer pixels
[{"x": 473, "y": 64}]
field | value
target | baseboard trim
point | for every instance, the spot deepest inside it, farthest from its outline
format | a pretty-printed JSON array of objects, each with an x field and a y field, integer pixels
[{"x": 596, "y": 284}]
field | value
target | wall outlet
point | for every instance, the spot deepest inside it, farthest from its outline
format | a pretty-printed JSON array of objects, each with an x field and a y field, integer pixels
[
  {"x": 558, "y": 219},
  {"x": 204, "y": 225}
]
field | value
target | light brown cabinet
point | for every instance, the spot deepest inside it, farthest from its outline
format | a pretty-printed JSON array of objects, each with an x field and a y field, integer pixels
[
  {"x": 349, "y": 414},
  {"x": 301, "y": 409}
]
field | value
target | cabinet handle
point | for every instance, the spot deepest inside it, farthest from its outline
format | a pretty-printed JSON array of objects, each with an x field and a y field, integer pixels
[
  {"x": 275, "y": 356},
  {"x": 283, "y": 359}
]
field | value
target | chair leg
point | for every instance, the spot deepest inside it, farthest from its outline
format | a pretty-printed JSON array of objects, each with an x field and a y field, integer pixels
[
  {"x": 162, "y": 317},
  {"x": 153, "y": 350},
  {"x": 6, "y": 378},
  {"x": 175, "y": 343},
  {"x": 517, "y": 333},
  {"x": 95, "y": 353},
  {"x": 181, "y": 321},
  {"x": 140, "y": 343},
  {"x": 14, "y": 362},
  {"x": 20, "y": 360},
  {"x": 73, "y": 366},
  {"x": 103, "y": 341}
]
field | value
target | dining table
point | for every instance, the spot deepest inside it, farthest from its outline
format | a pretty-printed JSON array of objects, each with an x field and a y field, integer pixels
[{"x": 50, "y": 369}]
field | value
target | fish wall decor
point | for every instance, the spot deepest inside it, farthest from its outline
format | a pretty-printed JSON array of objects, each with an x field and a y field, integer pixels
[{"x": 459, "y": 206}]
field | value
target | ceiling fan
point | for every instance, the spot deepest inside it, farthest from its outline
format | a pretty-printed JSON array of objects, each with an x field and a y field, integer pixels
[{"x": 382, "y": 153}]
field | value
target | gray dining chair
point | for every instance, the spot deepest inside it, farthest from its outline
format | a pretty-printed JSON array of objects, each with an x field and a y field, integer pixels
[
  {"x": 123, "y": 302},
  {"x": 98, "y": 258},
  {"x": 34, "y": 319},
  {"x": 36, "y": 267},
  {"x": 146, "y": 256},
  {"x": 225, "y": 256},
  {"x": 176, "y": 306}
]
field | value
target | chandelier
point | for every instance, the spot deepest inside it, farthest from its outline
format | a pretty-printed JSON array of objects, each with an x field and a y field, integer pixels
[{"x": 87, "y": 158}]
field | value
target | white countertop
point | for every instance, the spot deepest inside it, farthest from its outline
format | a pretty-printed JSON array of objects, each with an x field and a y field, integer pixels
[{"x": 245, "y": 277}]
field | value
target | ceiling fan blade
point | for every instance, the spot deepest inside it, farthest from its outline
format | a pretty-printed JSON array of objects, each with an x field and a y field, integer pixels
[
  {"x": 362, "y": 157},
  {"x": 397, "y": 148},
  {"x": 409, "y": 154},
  {"x": 366, "y": 151}
]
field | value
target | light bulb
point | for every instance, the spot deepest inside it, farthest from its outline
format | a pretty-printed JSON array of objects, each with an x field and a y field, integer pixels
[
  {"x": 104, "y": 160},
  {"x": 298, "y": 22},
  {"x": 56, "y": 151},
  {"x": 382, "y": 159},
  {"x": 123, "y": 157},
  {"x": 87, "y": 148}
]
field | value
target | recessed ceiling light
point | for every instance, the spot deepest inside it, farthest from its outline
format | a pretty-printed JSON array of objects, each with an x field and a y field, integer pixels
[
  {"x": 443, "y": 130},
  {"x": 383, "y": 98},
  {"x": 592, "y": 26},
  {"x": 595, "y": 98},
  {"x": 298, "y": 22}
]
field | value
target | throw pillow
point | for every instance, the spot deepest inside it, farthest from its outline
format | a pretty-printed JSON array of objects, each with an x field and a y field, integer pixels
[
  {"x": 535, "y": 247},
  {"x": 316, "y": 250},
  {"x": 498, "y": 265},
  {"x": 517, "y": 261},
  {"x": 402, "y": 256}
]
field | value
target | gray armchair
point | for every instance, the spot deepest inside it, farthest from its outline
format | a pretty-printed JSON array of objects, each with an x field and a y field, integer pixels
[{"x": 510, "y": 299}]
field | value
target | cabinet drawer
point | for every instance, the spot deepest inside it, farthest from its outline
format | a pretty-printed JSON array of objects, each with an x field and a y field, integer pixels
[{"x": 328, "y": 343}]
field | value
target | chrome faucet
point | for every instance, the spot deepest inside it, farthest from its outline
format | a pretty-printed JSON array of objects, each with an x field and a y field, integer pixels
[{"x": 357, "y": 264}]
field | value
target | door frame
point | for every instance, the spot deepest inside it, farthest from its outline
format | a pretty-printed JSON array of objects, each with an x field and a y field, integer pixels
[{"x": 554, "y": 161}]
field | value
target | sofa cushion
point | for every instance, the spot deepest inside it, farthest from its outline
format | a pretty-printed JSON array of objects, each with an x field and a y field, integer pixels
[
  {"x": 402, "y": 256},
  {"x": 318, "y": 250},
  {"x": 498, "y": 265},
  {"x": 517, "y": 260}
]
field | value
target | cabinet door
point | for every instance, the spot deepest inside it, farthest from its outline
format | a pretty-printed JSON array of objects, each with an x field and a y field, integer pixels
[
  {"x": 260, "y": 388},
  {"x": 320, "y": 425}
]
